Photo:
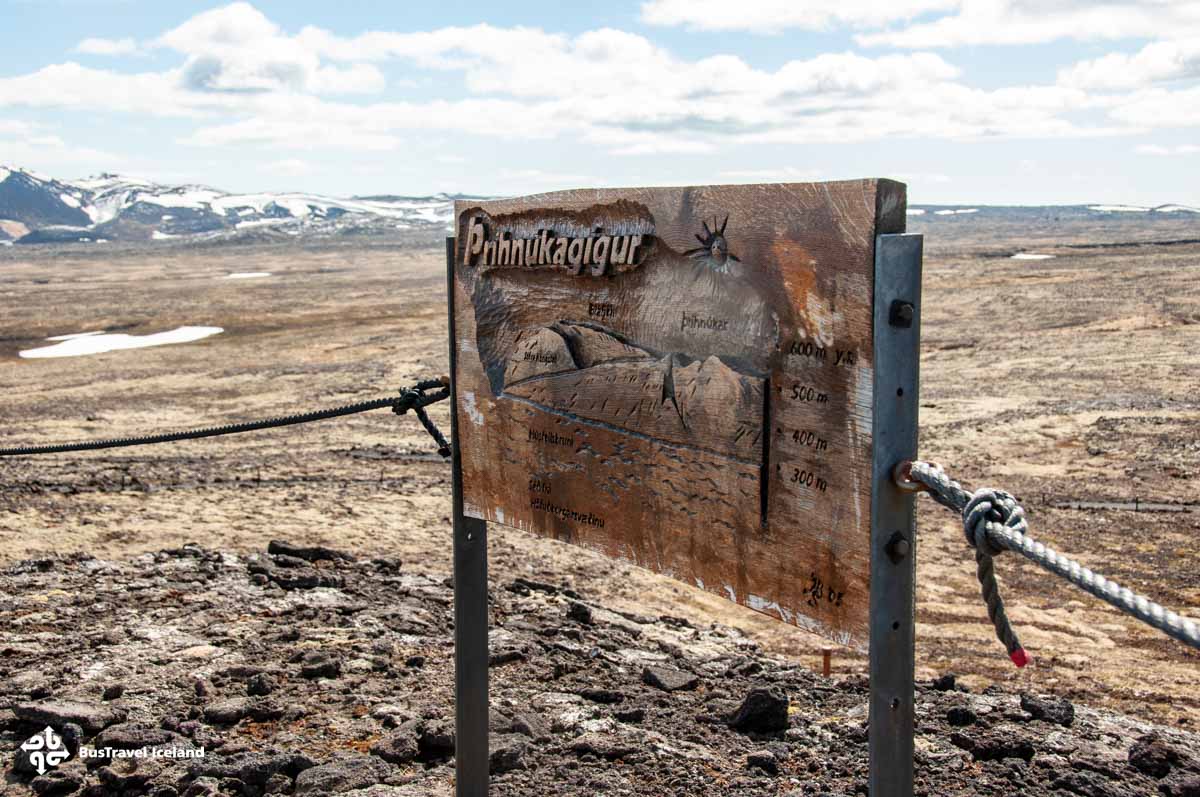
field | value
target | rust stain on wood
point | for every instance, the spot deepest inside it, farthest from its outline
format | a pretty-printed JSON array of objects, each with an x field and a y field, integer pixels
[{"x": 681, "y": 378}]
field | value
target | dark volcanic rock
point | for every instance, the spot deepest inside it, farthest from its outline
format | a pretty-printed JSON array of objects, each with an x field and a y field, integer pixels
[
  {"x": 994, "y": 745},
  {"x": 764, "y": 760},
  {"x": 603, "y": 746},
  {"x": 507, "y": 753},
  {"x": 310, "y": 553},
  {"x": 56, "y": 713},
  {"x": 230, "y": 712},
  {"x": 400, "y": 746},
  {"x": 342, "y": 775},
  {"x": 944, "y": 683},
  {"x": 260, "y": 684},
  {"x": 1153, "y": 756},
  {"x": 253, "y": 768},
  {"x": 435, "y": 740},
  {"x": 668, "y": 679},
  {"x": 960, "y": 716},
  {"x": 57, "y": 782},
  {"x": 606, "y": 696},
  {"x": 765, "y": 710},
  {"x": 134, "y": 736},
  {"x": 1049, "y": 708},
  {"x": 580, "y": 613},
  {"x": 531, "y": 725},
  {"x": 319, "y": 664}
]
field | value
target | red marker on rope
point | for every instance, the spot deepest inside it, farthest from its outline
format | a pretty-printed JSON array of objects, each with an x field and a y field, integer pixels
[{"x": 1019, "y": 657}]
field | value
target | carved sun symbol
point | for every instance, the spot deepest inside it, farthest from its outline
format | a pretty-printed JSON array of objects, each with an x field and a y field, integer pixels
[{"x": 713, "y": 244}]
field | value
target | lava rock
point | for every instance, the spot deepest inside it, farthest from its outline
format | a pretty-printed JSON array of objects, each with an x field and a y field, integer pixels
[
  {"x": 113, "y": 691},
  {"x": 580, "y": 613},
  {"x": 605, "y": 696},
  {"x": 633, "y": 715},
  {"x": 994, "y": 746},
  {"x": 57, "y": 782},
  {"x": 135, "y": 736},
  {"x": 602, "y": 745},
  {"x": 531, "y": 725},
  {"x": 765, "y": 710},
  {"x": 669, "y": 680},
  {"x": 1049, "y": 708},
  {"x": 230, "y": 712},
  {"x": 260, "y": 684},
  {"x": 57, "y": 713},
  {"x": 203, "y": 787},
  {"x": 507, "y": 753},
  {"x": 961, "y": 716},
  {"x": 311, "y": 553},
  {"x": 436, "y": 740},
  {"x": 1152, "y": 756},
  {"x": 945, "y": 683},
  {"x": 764, "y": 760},
  {"x": 399, "y": 746},
  {"x": 342, "y": 775},
  {"x": 319, "y": 664},
  {"x": 250, "y": 767}
]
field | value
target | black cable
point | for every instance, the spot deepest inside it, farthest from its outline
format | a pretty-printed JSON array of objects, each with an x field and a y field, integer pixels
[{"x": 409, "y": 398}]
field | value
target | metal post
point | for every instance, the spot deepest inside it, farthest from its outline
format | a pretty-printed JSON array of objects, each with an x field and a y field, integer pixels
[
  {"x": 470, "y": 607},
  {"x": 897, "y": 327}
]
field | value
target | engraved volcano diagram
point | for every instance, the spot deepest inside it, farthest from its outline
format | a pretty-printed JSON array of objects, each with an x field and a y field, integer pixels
[{"x": 676, "y": 349}]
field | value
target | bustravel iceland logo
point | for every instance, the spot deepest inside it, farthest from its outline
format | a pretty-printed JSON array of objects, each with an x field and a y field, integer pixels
[{"x": 46, "y": 750}]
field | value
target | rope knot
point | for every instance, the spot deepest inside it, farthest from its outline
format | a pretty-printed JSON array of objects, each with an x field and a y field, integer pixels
[{"x": 991, "y": 508}]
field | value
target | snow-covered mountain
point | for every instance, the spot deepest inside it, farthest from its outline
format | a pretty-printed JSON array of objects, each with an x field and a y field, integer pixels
[{"x": 39, "y": 209}]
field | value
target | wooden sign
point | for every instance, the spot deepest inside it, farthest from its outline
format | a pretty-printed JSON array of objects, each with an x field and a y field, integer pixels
[{"x": 681, "y": 378}]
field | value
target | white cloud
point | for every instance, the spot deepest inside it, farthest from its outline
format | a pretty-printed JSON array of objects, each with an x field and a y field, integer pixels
[
  {"x": 235, "y": 48},
  {"x": 1157, "y": 149},
  {"x": 783, "y": 174},
  {"x": 289, "y": 167},
  {"x": 1158, "y": 62},
  {"x": 93, "y": 46},
  {"x": 35, "y": 147},
  {"x": 1160, "y": 108},
  {"x": 773, "y": 16},
  {"x": 246, "y": 82},
  {"x": 1041, "y": 21}
]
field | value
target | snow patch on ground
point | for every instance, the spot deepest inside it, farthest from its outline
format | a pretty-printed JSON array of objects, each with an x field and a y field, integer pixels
[
  {"x": 247, "y": 275},
  {"x": 1176, "y": 209},
  {"x": 1118, "y": 208},
  {"x": 101, "y": 342},
  {"x": 915, "y": 211},
  {"x": 1030, "y": 256},
  {"x": 69, "y": 200},
  {"x": 955, "y": 212},
  {"x": 159, "y": 235},
  {"x": 4, "y": 173}
]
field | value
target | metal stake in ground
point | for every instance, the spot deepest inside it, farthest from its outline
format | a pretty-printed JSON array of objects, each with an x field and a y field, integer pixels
[
  {"x": 893, "y": 530},
  {"x": 470, "y": 609}
]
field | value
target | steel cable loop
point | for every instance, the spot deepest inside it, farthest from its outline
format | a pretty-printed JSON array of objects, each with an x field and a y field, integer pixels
[
  {"x": 994, "y": 521},
  {"x": 414, "y": 398}
]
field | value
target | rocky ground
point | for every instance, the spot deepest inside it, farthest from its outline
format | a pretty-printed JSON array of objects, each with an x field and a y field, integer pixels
[
  {"x": 308, "y": 671},
  {"x": 1065, "y": 379}
]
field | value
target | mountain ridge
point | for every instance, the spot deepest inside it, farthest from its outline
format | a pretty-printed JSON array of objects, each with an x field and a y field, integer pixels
[
  {"x": 38, "y": 209},
  {"x": 35, "y": 208}
]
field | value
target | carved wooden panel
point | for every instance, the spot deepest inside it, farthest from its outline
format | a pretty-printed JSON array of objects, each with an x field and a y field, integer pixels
[{"x": 680, "y": 377}]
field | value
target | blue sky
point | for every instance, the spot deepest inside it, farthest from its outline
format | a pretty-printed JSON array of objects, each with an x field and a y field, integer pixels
[{"x": 968, "y": 101}]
